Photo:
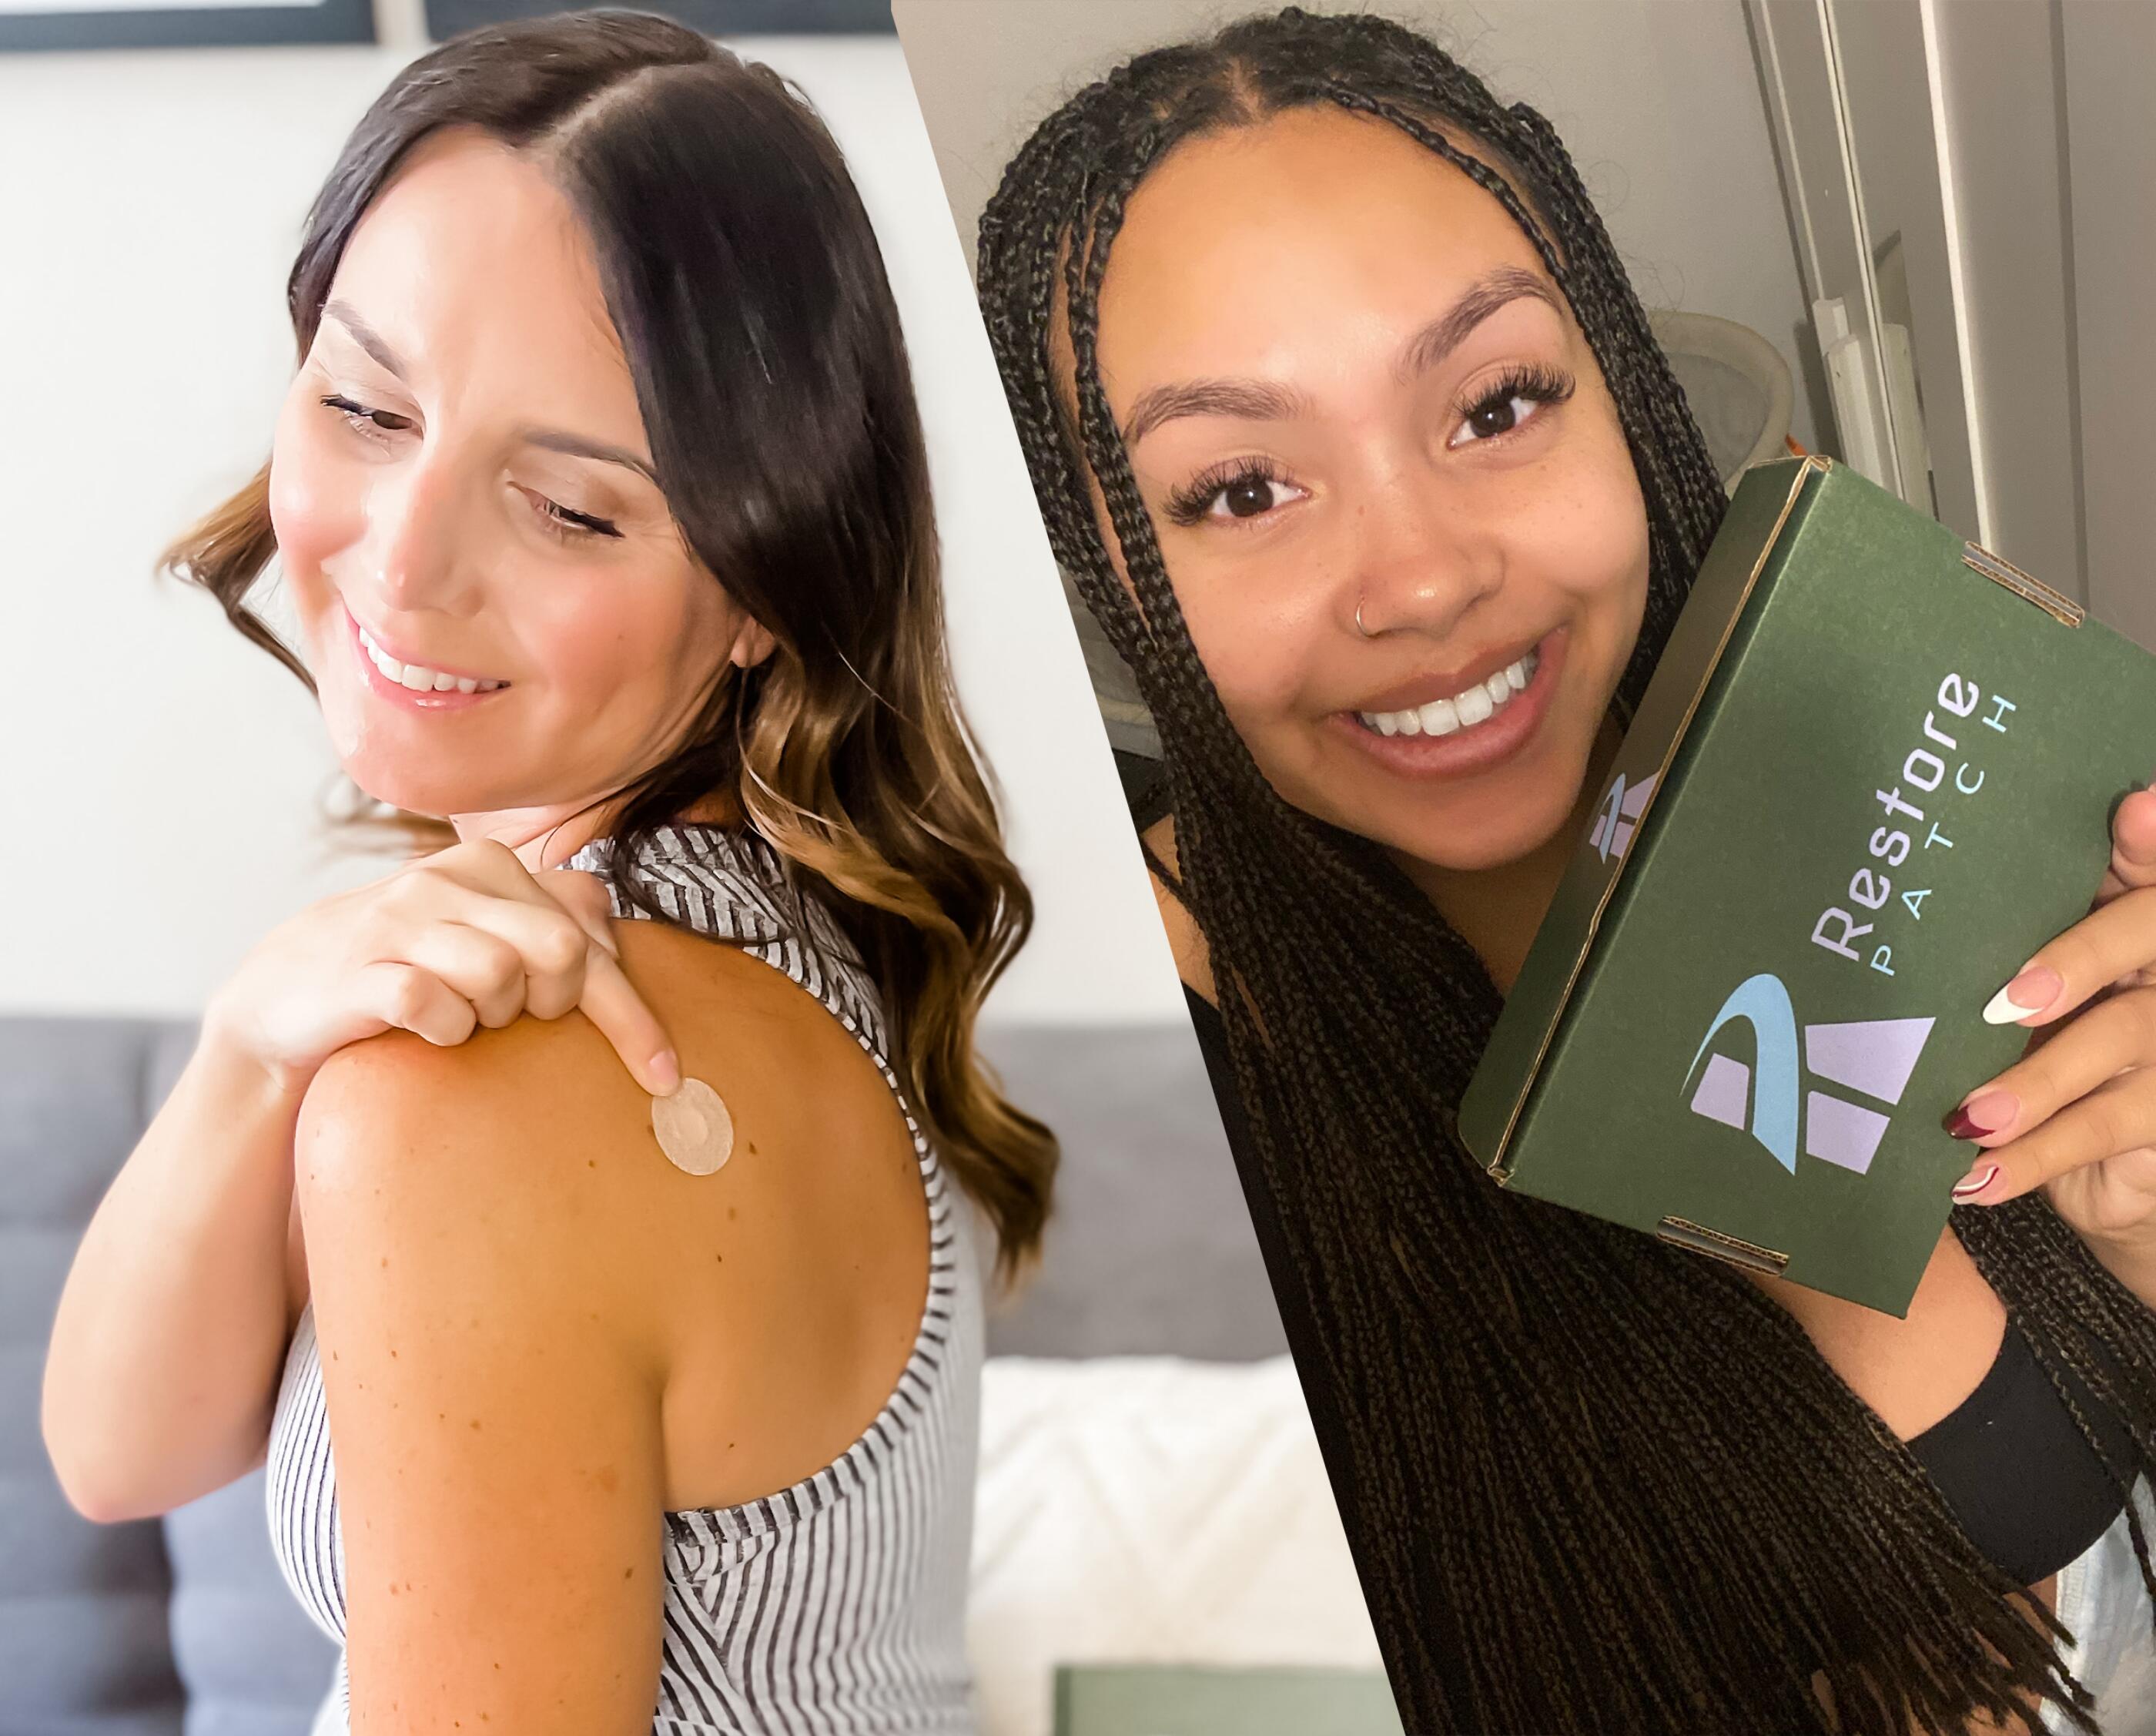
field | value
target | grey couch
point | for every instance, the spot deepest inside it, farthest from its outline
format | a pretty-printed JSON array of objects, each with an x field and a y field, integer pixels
[{"x": 183, "y": 1624}]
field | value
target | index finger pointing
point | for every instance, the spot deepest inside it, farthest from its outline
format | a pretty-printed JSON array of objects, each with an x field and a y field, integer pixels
[{"x": 610, "y": 1001}]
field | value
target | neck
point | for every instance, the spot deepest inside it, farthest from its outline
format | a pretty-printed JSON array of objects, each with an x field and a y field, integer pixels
[
  {"x": 547, "y": 836},
  {"x": 1498, "y": 909}
]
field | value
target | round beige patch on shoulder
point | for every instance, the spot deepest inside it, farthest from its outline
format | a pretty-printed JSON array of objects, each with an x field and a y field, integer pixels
[{"x": 694, "y": 1128}]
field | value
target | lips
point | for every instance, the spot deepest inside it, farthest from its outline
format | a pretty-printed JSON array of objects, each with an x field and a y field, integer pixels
[
  {"x": 1449, "y": 684},
  {"x": 1462, "y": 711},
  {"x": 415, "y": 686},
  {"x": 380, "y": 651},
  {"x": 1470, "y": 746}
]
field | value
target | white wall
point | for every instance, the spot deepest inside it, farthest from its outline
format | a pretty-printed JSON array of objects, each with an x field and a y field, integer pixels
[
  {"x": 1657, "y": 100},
  {"x": 2110, "y": 55},
  {"x": 163, "y": 778},
  {"x": 2014, "y": 243}
]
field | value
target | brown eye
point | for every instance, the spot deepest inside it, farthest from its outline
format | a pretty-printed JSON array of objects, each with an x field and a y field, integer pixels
[
  {"x": 1243, "y": 489},
  {"x": 1496, "y": 418},
  {"x": 363, "y": 419},
  {"x": 1510, "y": 404}
]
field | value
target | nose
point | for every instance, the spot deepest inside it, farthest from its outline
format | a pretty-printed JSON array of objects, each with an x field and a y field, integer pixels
[
  {"x": 1421, "y": 560},
  {"x": 412, "y": 560}
]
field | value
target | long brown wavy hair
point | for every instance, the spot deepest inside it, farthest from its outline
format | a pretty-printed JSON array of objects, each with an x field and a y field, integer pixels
[
  {"x": 1592, "y": 1482},
  {"x": 743, "y": 277}
]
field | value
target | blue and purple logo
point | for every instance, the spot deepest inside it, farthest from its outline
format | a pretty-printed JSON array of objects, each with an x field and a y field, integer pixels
[
  {"x": 1619, "y": 817},
  {"x": 1872, "y": 1056}
]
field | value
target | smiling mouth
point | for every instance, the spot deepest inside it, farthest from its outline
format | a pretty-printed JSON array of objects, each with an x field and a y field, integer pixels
[
  {"x": 1461, "y": 710},
  {"x": 418, "y": 677}
]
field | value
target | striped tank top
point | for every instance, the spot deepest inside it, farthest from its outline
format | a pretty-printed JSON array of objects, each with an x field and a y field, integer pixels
[{"x": 838, "y": 1603}]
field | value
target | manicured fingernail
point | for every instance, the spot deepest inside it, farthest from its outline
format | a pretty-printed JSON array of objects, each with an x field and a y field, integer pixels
[
  {"x": 2029, "y": 994},
  {"x": 1986, "y": 1112},
  {"x": 665, "y": 1073},
  {"x": 1975, "y": 1182}
]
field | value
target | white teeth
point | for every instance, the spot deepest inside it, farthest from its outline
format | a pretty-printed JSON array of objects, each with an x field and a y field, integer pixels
[
  {"x": 1463, "y": 710},
  {"x": 419, "y": 678},
  {"x": 1439, "y": 718}
]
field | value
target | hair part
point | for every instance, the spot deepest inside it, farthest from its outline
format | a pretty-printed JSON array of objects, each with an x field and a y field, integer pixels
[
  {"x": 1592, "y": 1482},
  {"x": 740, "y": 271}
]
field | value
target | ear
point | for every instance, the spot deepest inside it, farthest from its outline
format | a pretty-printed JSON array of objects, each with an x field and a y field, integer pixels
[{"x": 752, "y": 645}]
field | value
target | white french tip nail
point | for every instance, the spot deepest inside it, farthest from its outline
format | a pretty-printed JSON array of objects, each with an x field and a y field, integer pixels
[{"x": 2003, "y": 1009}]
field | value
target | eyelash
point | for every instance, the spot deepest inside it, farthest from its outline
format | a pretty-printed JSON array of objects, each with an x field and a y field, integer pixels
[
  {"x": 362, "y": 420},
  {"x": 1531, "y": 381},
  {"x": 558, "y": 521},
  {"x": 1193, "y": 501},
  {"x": 570, "y": 526}
]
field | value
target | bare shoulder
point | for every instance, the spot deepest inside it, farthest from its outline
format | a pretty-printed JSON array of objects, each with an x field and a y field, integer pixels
[
  {"x": 537, "y": 1132},
  {"x": 507, "y": 1113},
  {"x": 488, "y": 1171},
  {"x": 520, "y": 1171}
]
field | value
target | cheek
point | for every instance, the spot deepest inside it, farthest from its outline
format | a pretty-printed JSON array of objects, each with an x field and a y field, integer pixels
[
  {"x": 591, "y": 648},
  {"x": 616, "y": 638},
  {"x": 1255, "y": 623},
  {"x": 1245, "y": 622},
  {"x": 1587, "y": 535}
]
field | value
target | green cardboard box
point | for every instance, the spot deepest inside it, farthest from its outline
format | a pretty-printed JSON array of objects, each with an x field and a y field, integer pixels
[{"x": 1874, "y": 771}]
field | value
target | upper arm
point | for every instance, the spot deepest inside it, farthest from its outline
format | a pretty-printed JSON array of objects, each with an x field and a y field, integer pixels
[{"x": 497, "y": 1429}]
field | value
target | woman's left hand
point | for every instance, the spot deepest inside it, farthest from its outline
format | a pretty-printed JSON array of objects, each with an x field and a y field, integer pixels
[{"x": 2076, "y": 1115}]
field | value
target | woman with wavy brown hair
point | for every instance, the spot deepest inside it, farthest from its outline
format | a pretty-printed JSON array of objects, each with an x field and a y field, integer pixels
[
  {"x": 1356, "y": 442},
  {"x": 602, "y": 497}
]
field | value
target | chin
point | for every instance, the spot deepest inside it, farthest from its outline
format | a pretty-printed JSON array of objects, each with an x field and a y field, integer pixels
[
  {"x": 425, "y": 795},
  {"x": 1466, "y": 842},
  {"x": 1487, "y": 849},
  {"x": 402, "y": 780}
]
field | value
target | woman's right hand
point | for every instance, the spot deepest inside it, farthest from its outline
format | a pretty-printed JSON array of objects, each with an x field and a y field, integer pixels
[{"x": 466, "y": 937}]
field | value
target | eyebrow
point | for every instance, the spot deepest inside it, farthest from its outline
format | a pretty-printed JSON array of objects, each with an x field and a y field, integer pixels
[
  {"x": 1444, "y": 334},
  {"x": 548, "y": 439},
  {"x": 576, "y": 446},
  {"x": 364, "y": 334},
  {"x": 1264, "y": 400}
]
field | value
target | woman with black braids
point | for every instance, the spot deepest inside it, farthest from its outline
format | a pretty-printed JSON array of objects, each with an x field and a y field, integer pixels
[{"x": 1351, "y": 434}]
